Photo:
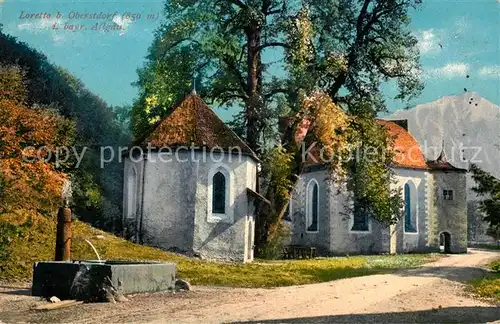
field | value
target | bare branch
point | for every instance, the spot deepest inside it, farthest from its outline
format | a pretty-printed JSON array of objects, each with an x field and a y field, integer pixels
[
  {"x": 272, "y": 44},
  {"x": 276, "y": 91},
  {"x": 361, "y": 33},
  {"x": 236, "y": 72},
  {"x": 238, "y": 3},
  {"x": 273, "y": 12}
]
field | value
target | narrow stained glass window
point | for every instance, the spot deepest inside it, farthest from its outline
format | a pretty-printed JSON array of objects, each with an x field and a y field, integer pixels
[
  {"x": 312, "y": 218},
  {"x": 219, "y": 194},
  {"x": 409, "y": 217}
]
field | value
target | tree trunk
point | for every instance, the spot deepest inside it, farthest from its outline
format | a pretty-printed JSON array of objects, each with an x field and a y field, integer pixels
[
  {"x": 267, "y": 221},
  {"x": 254, "y": 103}
]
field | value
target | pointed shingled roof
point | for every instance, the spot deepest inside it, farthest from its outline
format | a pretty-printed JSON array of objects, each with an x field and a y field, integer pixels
[
  {"x": 441, "y": 163},
  {"x": 192, "y": 122}
]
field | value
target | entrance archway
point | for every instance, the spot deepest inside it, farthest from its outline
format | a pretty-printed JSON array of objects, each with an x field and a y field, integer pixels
[{"x": 445, "y": 242}]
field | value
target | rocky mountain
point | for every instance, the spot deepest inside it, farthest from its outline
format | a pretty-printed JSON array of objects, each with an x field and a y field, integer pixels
[
  {"x": 466, "y": 123},
  {"x": 469, "y": 127}
]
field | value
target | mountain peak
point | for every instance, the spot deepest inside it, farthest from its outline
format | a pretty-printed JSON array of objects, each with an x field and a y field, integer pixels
[{"x": 467, "y": 123}]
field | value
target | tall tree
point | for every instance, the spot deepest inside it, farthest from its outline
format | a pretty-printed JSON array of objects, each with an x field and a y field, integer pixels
[
  {"x": 270, "y": 56},
  {"x": 488, "y": 187},
  {"x": 29, "y": 179},
  {"x": 222, "y": 42},
  {"x": 50, "y": 87}
]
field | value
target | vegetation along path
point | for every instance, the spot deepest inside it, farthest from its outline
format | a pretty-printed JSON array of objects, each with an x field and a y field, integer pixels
[{"x": 433, "y": 293}]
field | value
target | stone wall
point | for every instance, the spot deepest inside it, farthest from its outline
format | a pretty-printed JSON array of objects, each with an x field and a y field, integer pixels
[
  {"x": 448, "y": 215},
  {"x": 221, "y": 240},
  {"x": 300, "y": 235},
  {"x": 175, "y": 211},
  {"x": 335, "y": 234},
  {"x": 169, "y": 202}
]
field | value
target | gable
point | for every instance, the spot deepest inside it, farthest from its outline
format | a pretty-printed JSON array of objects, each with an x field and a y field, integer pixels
[{"x": 192, "y": 123}]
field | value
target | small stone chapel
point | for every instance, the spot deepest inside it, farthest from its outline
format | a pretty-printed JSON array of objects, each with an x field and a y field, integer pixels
[{"x": 196, "y": 192}]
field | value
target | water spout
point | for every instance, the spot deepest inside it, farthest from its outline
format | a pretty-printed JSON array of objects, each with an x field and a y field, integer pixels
[{"x": 93, "y": 247}]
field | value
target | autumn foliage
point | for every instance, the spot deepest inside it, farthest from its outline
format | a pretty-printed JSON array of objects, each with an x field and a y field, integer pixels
[{"x": 29, "y": 179}]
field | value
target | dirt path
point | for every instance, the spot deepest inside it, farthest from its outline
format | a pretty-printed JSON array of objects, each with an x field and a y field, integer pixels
[{"x": 430, "y": 294}]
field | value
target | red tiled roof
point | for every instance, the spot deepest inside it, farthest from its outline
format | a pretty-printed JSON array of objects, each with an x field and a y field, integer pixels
[
  {"x": 192, "y": 122},
  {"x": 408, "y": 152}
]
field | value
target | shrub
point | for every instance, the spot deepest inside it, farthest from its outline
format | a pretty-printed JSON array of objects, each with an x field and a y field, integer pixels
[{"x": 274, "y": 248}]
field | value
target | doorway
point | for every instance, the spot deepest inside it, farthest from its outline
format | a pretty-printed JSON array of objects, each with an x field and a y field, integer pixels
[{"x": 445, "y": 242}]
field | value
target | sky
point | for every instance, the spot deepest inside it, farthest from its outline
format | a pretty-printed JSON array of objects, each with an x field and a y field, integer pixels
[{"x": 456, "y": 38}]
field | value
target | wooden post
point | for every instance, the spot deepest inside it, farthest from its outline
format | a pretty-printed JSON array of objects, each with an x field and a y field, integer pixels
[{"x": 63, "y": 236}]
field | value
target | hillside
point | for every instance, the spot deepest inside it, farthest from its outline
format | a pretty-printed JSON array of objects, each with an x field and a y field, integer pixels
[
  {"x": 36, "y": 242},
  {"x": 97, "y": 191},
  {"x": 466, "y": 123}
]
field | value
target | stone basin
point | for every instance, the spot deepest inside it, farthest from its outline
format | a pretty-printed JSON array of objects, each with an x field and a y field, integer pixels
[{"x": 85, "y": 280}]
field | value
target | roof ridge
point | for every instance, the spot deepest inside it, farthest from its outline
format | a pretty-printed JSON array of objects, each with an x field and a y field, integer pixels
[
  {"x": 196, "y": 124},
  {"x": 158, "y": 124},
  {"x": 227, "y": 128}
]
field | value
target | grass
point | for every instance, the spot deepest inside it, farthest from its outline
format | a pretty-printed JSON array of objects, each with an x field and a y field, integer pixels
[
  {"x": 488, "y": 246},
  {"x": 38, "y": 244},
  {"x": 489, "y": 286}
]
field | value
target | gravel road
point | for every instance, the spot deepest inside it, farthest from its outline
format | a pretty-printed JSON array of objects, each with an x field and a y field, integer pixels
[{"x": 433, "y": 293}]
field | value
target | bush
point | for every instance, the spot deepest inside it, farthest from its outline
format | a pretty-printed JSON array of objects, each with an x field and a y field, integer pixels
[
  {"x": 274, "y": 247},
  {"x": 495, "y": 266}
]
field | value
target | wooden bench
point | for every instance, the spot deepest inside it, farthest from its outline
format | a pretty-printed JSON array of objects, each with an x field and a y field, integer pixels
[{"x": 299, "y": 252}]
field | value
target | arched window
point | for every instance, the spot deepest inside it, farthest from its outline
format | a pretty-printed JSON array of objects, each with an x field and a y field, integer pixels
[
  {"x": 220, "y": 199},
  {"x": 219, "y": 193},
  {"x": 312, "y": 203},
  {"x": 410, "y": 209}
]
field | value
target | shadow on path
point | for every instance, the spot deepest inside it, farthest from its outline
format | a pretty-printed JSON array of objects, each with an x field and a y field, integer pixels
[
  {"x": 15, "y": 291},
  {"x": 451, "y": 273},
  {"x": 444, "y": 315}
]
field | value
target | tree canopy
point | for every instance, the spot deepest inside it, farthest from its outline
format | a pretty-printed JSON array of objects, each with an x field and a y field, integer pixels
[
  {"x": 29, "y": 179},
  {"x": 49, "y": 88},
  {"x": 488, "y": 187},
  {"x": 266, "y": 59}
]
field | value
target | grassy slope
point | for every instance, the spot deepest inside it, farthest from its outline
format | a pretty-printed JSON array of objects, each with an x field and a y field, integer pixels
[
  {"x": 489, "y": 286},
  {"x": 38, "y": 244}
]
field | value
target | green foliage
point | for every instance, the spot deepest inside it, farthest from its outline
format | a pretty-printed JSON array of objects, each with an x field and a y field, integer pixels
[
  {"x": 274, "y": 248},
  {"x": 495, "y": 266},
  {"x": 362, "y": 44},
  {"x": 53, "y": 88},
  {"x": 370, "y": 176},
  {"x": 280, "y": 167},
  {"x": 210, "y": 39},
  {"x": 13, "y": 84},
  {"x": 489, "y": 286},
  {"x": 489, "y": 188},
  {"x": 8, "y": 233},
  {"x": 162, "y": 83}
]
